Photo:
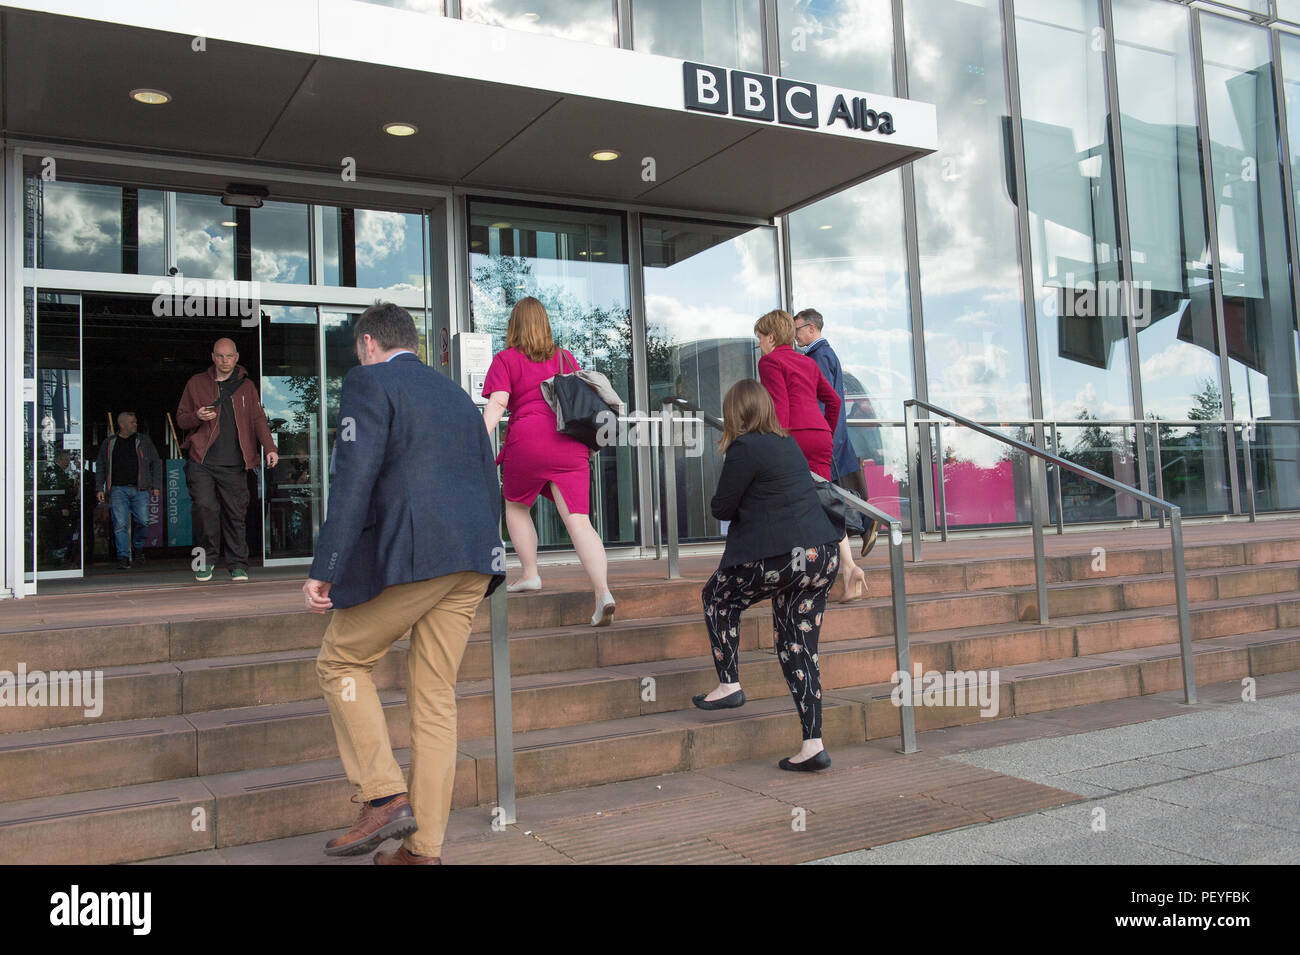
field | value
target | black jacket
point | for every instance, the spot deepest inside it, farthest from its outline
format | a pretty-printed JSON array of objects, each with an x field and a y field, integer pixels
[
  {"x": 767, "y": 492},
  {"x": 149, "y": 473}
]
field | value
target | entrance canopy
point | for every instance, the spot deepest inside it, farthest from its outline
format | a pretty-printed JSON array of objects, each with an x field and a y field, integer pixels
[{"x": 313, "y": 84}]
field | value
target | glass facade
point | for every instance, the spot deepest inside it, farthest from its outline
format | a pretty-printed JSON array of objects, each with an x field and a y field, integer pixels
[
  {"x": 705, "y": 285},
  {"x": 724, "y": 32},
  {"x": 1258, "y": 306},
  {"x": 1104, "y": 242},
  {"x": 588, "y": 21},
  {"x": 1171, "y": 259}
]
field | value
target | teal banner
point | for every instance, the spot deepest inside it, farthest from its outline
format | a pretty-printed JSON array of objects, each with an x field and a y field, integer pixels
[{"x": 180, "y": 530}]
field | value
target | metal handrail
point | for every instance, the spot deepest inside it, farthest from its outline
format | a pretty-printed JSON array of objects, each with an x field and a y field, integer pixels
[
  {"x": 898, "y": 596},
  {"x": 503, "y": 727},
  {"x": 1247, "y": 425},
  {"x": 1038, "y": 518}
]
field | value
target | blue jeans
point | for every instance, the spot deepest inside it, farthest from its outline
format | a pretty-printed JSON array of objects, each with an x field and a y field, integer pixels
[{"x": 128, "y": 503}]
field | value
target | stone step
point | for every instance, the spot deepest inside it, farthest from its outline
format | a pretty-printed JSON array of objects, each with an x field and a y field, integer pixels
[
  {"x": 132, "y": 822},
  {"x": 198, "y": 638},
  {"x": 234, "y": 739},
  {"x": 286, "y": 677}
]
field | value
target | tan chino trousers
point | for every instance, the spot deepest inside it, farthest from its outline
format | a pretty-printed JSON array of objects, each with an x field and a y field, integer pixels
[{"x": 438, "y": 612}]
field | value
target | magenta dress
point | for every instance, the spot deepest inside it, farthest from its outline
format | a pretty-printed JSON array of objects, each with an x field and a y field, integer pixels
[{"x": 534, "y": 453}]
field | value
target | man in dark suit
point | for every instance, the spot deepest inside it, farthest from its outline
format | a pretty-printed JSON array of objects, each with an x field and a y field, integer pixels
[
  {"x": 846, "y": 469},
  {"x": 411, "y": 541}
]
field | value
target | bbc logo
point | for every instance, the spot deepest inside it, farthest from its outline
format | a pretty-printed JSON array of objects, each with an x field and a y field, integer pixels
[{"x": 715, "y": 89}]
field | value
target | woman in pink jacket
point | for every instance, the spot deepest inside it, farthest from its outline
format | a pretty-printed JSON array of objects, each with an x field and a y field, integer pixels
[{"x": 797, "y": 386}]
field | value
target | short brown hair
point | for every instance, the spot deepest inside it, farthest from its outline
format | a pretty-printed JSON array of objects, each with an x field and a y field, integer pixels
[
  {"x": 748, "y": 407},
  {"x": 529, "y": 330},
  {"x": 812, "y": 316},
  {"x": 779, "y": 325},
  {"x": 389, "y": 326}
]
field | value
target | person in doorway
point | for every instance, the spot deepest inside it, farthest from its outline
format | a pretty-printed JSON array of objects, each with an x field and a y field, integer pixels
[
  {"x": 806, "y": 406},
  {"x": 227, "y": 429},
  {"x": 537, "y": 459},
  {"x": 60, "y": 518},
  {"x": 128, "y": 472},
  {"x": 412, "y": 542},
  {"x": 846, "y": 468},
  {"x": 780, "y": 545}
]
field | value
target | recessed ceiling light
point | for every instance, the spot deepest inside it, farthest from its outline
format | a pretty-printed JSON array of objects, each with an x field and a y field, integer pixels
[
  {"x": 605, "y": 155},
  {"x": 597, "y": 254},
  {"x": 500, "y": 225},
  {"x": 150, "y": 97},
  {"x": 532, "y": 16},
  {"x": 825, "y": 227},
  {"x": 400, "y": 129},
  {"x": 584, "y": 252},
  {"x": 230, "y": 225}
]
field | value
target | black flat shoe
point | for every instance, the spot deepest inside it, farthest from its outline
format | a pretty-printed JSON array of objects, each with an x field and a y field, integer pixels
[
  {"x": 726, "y": 703},
  {"x": 810, "y": 765}
]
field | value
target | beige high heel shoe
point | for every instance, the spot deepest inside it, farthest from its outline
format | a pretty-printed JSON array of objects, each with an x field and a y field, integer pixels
[{"x": 855, "y": 585}]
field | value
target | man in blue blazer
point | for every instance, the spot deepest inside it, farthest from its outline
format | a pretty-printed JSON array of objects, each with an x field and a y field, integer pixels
[
  {"x": 411, "y": 542},
  {"x": 846, "y": 469}
]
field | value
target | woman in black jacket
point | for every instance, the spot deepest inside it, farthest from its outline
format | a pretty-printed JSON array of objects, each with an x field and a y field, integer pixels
[{"x": 780, "y": 545}]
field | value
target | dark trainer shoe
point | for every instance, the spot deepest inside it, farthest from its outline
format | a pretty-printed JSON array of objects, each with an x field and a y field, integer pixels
[
  {"x": 392, "y": 820},
  {"x": 400, "y": 856}
]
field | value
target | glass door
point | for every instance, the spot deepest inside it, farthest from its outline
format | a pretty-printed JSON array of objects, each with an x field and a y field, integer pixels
[
  {"x": 56, "y": 469},
  {"x": 293, "y": 500},
  {"x": 339, "y": 356}
]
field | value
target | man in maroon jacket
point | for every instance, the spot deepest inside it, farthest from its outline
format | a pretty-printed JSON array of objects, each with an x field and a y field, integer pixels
[{"x": 227, "y": 430}]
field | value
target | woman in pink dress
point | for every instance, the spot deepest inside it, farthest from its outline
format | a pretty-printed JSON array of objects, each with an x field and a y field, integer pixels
[{"x": 537, "y": 459}]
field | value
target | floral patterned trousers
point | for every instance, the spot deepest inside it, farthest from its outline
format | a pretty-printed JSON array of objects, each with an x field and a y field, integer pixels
[{"x": 798, "y": 584}]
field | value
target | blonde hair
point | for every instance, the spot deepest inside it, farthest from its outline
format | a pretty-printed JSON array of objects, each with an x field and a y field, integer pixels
[
  {"x": 779, "y": 325},
  {"x": 529, "y": 330},
  {"x": 748, "y": 407}
]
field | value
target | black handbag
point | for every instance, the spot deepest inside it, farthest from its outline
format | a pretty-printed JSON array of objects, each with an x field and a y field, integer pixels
[
  {"x": 580, "y": 408},
  {"x": 843, "y": 518}
]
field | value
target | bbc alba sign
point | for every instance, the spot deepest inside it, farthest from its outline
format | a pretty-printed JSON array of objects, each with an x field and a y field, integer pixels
[{"x": 757, "y": 96}]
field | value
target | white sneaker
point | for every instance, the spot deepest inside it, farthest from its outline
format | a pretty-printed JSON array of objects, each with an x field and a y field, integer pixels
[
  {"x": 532, "y": 583},
  {"x": 604, "y": 614}
]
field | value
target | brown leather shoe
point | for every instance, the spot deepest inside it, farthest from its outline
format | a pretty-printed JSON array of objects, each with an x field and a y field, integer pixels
[
  {"x": 400, "y": 856},
  {"x": 393, "y": 820}
]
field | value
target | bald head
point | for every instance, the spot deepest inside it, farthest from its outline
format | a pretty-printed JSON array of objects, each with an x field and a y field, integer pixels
[{"x": 224, "y": 358}]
